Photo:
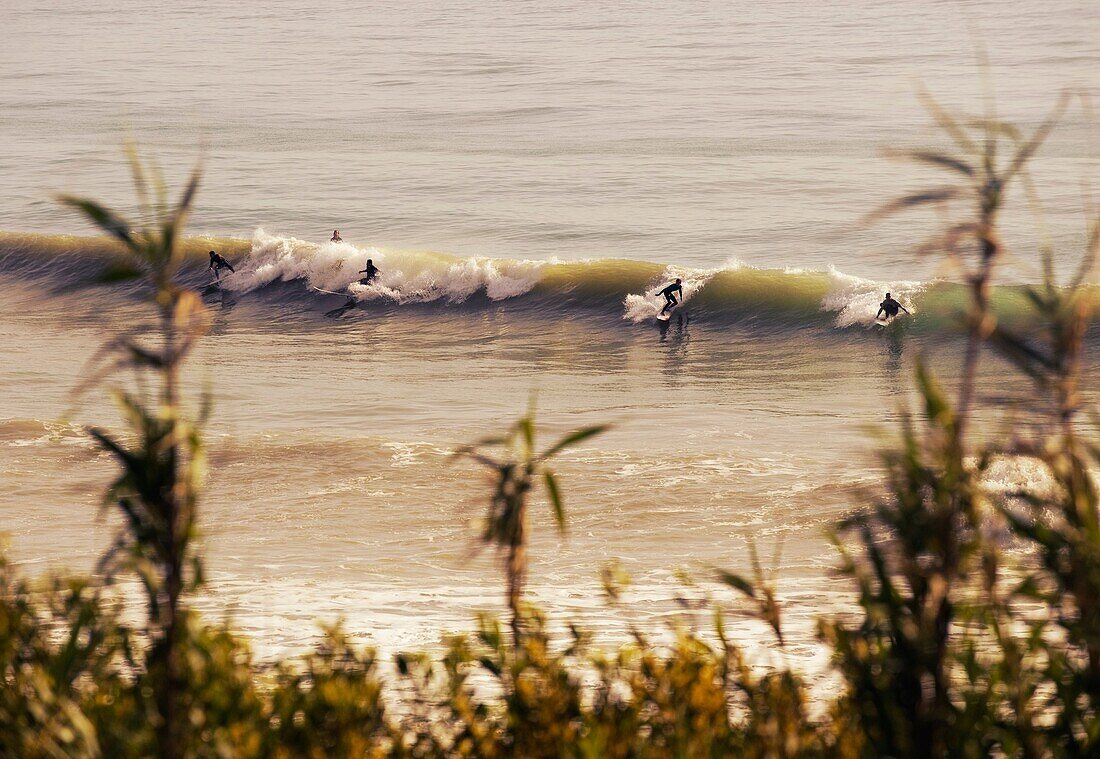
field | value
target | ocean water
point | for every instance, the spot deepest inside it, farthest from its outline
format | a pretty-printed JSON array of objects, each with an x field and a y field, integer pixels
[{"x": 525, "y": 175}]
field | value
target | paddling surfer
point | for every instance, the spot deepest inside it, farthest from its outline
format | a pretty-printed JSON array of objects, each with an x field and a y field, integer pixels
[
  {"x": 670, "y": 294},
  {"x": 890, "y": 308}
]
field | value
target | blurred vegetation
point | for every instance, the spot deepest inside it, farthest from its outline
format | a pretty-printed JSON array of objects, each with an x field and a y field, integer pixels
[{"x": 978, "y": 624}]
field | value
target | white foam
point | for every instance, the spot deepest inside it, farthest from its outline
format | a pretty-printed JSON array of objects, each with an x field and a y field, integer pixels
[
  {"x": 639, "y": 307},
  {"x": 406, "y": 277},
  {"x": 856, "y": 300}
]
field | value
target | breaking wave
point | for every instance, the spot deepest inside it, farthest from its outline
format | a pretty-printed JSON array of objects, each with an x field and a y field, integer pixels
[{"x": 277, "y": 269}]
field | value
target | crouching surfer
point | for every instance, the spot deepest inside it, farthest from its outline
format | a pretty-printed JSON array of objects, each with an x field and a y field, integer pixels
[
  {"x": 670, "y": 293},
  {"x": 217, "y": 263},
  {"x": 890, "y": 308}
]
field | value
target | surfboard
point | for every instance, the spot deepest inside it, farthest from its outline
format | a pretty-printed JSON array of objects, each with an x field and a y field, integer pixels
[{"x": 329, "y": 292}]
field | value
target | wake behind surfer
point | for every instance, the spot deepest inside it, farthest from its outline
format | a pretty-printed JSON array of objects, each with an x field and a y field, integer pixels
[
  {"x": 371, "y": 271},
  {"x": 890, "y": 308},
  {"x": 670, "y": 293},
  {"x": 217, "y": 263}
]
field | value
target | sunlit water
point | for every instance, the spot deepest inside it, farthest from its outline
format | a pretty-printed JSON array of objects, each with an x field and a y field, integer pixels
[{"x": 739, "y": 144}]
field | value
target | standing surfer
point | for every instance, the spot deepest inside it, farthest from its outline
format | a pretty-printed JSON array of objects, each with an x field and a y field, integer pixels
[
  {"x": 890, "y": 308},
  {"x": 670, "y": 293},
  {"x": 217, "y": 263}
]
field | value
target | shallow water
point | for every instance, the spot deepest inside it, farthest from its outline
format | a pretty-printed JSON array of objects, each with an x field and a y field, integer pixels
[{"x": 567, "y": 158}]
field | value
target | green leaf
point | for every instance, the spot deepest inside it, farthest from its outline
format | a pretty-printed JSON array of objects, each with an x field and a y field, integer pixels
[
  {"x": 107, "y": 220},
  {"x": 526, "y": 427},
  {"x": 554, "y": 493},
  {"x": 574, "y": 438},
  {"x": 936, "y": 407},
  {"x": 737, "y": 582}
]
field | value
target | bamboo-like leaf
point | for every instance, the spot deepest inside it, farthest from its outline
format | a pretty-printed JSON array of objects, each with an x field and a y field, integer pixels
[
  {"x": 179, "y": 216},
  {"x": 1025, "y": 357},
  {"x": 141, "y": 185},
  {"x": 941, "y": 160},
  {"x": 554, "y": 494},
  {"x": 912, "y": 200},
  {"x": 946, "y": 121},
  {"x": 737, "y": 582},
  {"x": 1088, "y": 262},
  {"x": 107, "y": 220},
  {"x": 467, "y": 452},
  {"x": 142, "y": 357},
  {"x": 114, "y": 447},
  {"x": 490, "y": 665},
  {"x": 937, "y": 409},
  {"x": 526, "y": 427},
  {"x": 1038, "y": 137},
  {"x": 573, "y": 438}
]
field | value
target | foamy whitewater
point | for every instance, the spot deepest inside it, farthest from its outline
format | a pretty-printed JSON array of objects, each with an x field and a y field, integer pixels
[
  {"x": 418, "y": 277},
  {"x": 526, "y": 177}
]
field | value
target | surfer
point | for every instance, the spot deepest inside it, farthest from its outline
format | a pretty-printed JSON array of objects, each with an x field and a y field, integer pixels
[
  {"x": 670, "y": 295},
  {"x": 890, "y": 308},
  {"x": 217, "y": 263},
  {"x": 371, "y": 271},
  {"x": 336, "y": 236}
]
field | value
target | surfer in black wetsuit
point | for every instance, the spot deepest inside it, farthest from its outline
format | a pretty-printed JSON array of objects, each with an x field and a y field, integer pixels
[
  {"x": 670, "y": 295},
  {"x": 217, "y": 263},
  {"x": 371, "y": 271},
  {"x": 336, "y": 236},
  {"x": 890, "y": 308}
]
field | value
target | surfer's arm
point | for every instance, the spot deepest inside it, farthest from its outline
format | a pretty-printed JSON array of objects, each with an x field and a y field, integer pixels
[
  {"x": 903, "y": 308},
  {"x": 880, "y": 310}
]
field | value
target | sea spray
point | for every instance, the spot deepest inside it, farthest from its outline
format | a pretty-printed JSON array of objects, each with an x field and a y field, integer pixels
[
  {"x": 285, "y": 273},
  {"x": 327, "y": 266},
  {"x": 639, "y": 307},
  {"x": 856, "y": 300},
  {"x": 405, "y": 276},
  {"x": 409, "y": 277}
]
